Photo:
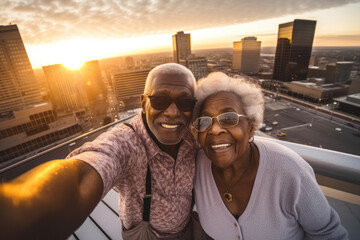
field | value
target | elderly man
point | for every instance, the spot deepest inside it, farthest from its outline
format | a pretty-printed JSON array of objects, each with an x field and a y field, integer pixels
[{"x": 149, "y": 162}]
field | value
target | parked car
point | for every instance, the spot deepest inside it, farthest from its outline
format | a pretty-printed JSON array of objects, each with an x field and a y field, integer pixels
[
  {"x": 265, "y": 128},
  {"x": 281, "y": 134},
  {"x": 356, "y": 134}
]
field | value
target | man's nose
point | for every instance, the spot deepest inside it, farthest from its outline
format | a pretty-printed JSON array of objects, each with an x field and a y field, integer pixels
[{"x": 172, "y": 110}]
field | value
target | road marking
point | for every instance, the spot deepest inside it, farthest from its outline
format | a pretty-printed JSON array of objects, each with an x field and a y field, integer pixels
[{"x": 303, "y": 125}]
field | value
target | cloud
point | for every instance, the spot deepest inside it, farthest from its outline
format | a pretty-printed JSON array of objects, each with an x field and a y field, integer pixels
[
  {"x": 334, "y": 40},
  {"x": 44, "y": 21}
]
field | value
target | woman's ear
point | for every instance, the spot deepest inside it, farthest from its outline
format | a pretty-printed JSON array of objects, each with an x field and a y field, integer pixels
[{"x": 251, "y": 128}]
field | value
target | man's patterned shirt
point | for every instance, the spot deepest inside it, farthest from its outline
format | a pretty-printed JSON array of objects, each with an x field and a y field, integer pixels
[{"x": 121, "y": 155}]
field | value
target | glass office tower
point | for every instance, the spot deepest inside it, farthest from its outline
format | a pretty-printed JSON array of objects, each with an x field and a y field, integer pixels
[
  {"x": 293, "y": 50},
  {"x": 18, "y": 87}
]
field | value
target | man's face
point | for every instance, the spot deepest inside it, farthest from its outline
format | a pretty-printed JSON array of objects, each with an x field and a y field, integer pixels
[{"x": 168, "y": 125}]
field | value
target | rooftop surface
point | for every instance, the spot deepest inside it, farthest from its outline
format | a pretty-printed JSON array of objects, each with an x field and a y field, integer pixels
[{"x": 338, "y": 175}]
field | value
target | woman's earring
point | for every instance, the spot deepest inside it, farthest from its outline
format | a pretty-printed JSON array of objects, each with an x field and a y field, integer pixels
[{"x": 251, "y": 140}]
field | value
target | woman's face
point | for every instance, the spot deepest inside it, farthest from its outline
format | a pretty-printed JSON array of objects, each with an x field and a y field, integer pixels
[{"x": 224, "y": 146}]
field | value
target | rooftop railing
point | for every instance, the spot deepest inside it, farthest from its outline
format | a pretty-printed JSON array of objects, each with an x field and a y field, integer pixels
[{"x": 337, "y": 173}]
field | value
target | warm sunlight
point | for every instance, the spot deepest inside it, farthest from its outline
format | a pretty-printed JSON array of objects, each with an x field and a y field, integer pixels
[
  {"x": 330, "y": 31},
  {"x": 73, "y": 53},
  {"x": 73, "y": 64}
]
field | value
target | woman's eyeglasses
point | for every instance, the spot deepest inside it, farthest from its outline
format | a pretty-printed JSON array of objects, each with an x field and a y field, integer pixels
[
  {"x": 184, "y": 104},
  {"x": 225, "y": 120}
]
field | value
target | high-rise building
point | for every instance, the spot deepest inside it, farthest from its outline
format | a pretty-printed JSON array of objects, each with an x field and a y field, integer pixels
[
  {"x": 94, "y": 87},
  {"x": 18, "y": 86},
  {"x": 197, "y": 65},
  {"x": 66, "y": 89},
  {"x": 335, "y": 72},
  {"x": 293, "y": 50},
  {"x": 129, "y": 85},
  {"x": 246, "y": 55},
  {"x": 181, "y": 46},
  {"x": 343, "y": 70}
]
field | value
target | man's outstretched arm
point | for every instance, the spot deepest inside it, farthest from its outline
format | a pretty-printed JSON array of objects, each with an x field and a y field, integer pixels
[{"x": 50, "y": 201}]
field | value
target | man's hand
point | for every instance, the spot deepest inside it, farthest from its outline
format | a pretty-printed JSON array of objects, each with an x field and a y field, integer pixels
[{"x": 50, "y": 201}]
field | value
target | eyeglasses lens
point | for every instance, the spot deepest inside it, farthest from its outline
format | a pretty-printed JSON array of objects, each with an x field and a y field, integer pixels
[
  {"x": 202, "y": 123},
  {"x": 228, "y": 119},
  {"x": 163, "y": 102},
  {"x": 225, "y": 120}
]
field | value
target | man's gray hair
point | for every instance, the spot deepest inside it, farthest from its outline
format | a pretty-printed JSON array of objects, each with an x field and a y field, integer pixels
[
  {"x": 168, "y": 68},
  {"x": 249, "y": 93}
]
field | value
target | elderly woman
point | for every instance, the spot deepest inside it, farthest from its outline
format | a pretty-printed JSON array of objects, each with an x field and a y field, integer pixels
[{"x": 252, "y": 189}]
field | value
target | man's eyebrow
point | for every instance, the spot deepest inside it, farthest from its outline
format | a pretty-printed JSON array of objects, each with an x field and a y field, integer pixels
[{"x": 166, "y": 92}]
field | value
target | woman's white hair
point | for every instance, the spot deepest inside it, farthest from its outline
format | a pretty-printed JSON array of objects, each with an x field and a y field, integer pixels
[
  {"x": 249, "y": 93},
  {"x": 168, "y": 68}
]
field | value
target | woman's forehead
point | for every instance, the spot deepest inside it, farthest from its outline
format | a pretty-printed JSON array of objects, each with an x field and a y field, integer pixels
[{"x": 222, "y": 101}]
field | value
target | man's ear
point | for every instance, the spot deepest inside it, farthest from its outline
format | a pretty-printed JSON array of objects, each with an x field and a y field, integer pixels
[{"x": 143, "y": 103}]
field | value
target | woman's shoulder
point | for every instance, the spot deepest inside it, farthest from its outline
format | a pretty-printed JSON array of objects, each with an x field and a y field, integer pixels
[{"x": 278, "y": 156}]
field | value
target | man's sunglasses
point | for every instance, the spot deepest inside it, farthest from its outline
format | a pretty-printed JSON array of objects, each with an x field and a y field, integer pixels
[
  {"x": 184, "y": 104},
  {"x": 225, "y": 120}
]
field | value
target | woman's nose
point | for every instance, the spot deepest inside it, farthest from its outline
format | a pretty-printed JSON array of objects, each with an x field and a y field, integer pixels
[{"x": 215, "y": 128}]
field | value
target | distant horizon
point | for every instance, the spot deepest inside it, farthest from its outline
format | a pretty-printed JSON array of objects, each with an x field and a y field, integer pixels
[{"x": 201, "y": 49}]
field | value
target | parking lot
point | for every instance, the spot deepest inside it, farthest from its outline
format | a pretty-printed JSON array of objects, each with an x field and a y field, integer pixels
[{"x": 295, "y": 123}]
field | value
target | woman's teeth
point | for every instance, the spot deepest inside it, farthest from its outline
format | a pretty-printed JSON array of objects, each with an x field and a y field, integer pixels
[
  {"x": 169, "y": 126},
  {"x": 217, "y": 146}
]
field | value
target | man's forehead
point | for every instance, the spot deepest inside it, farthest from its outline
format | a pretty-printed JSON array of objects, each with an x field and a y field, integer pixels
[{"x": 172, "y": 80}]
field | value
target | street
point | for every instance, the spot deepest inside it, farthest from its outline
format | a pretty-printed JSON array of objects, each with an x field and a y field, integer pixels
[{"x": 309, "y": 127}]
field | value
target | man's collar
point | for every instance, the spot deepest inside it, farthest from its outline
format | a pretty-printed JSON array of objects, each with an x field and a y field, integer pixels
[{"x": 150, "y": 141}]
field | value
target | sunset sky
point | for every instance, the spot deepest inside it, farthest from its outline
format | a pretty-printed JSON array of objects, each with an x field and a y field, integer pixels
[{"x": 73, "y": 31}]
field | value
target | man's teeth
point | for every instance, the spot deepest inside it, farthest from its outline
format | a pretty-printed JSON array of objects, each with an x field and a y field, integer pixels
[
  {"x": 169, "y": 126},
  {"x": 225, "y": 145}
]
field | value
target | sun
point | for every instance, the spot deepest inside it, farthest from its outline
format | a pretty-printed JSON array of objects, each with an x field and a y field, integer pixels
[
  {"x": 73, "y": 64},
  {"x": 72, "y": 53}
]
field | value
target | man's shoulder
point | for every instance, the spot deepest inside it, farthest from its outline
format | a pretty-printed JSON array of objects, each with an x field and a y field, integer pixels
[
  {"x": 121, "y": 132},
  {"x": 125, "y": 131}
]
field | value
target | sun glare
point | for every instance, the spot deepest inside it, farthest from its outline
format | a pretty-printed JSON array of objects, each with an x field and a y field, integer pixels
[
  {"x": 73, "y": 53},
  {"x": 73, "y": 65}
]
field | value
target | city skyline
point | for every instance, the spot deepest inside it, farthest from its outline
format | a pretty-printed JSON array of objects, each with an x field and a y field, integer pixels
[{"x": 63, "y": 32}]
